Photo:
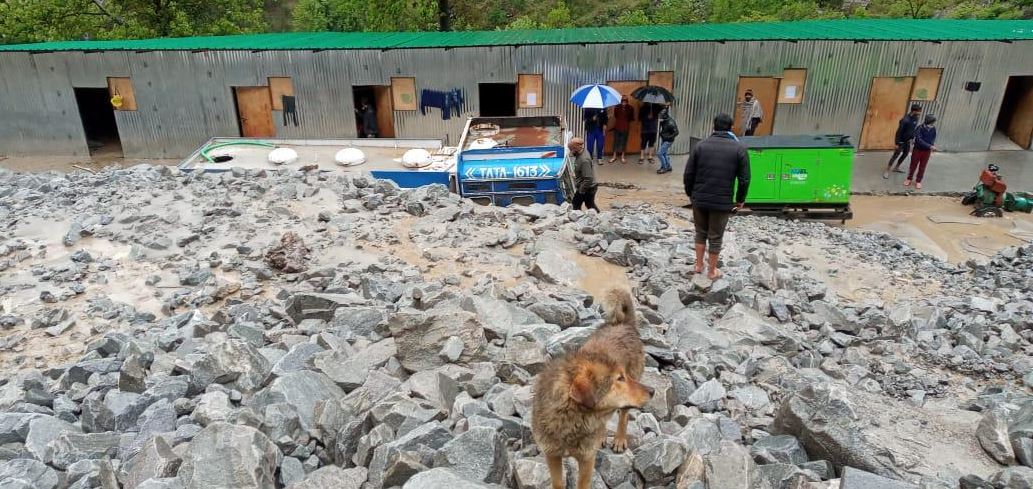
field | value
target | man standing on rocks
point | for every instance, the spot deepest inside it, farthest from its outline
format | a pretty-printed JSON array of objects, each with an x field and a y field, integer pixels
[
  {"x": 584, "y": 175},
  {"x": 713, "y": 168}
]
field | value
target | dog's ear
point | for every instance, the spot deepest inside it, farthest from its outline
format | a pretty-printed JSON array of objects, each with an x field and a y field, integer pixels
[{"x": 581, "y": 390}]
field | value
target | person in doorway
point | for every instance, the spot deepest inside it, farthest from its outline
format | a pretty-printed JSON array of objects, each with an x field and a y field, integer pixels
[
  {"x": 369, "y": 119},
  {"x": 584, "y": 176},
  {"x": 648, "y": 114},
  {"x": 623, "y": 115},
  {"x": 713, "y": 168},
  {"x": 925, "y": 144},
  {"x": 752, "y": 113},
  {"x": 903, "y": 140},
  {"x": 668, "y": 131},
  {"x": 595, "y": 132}
]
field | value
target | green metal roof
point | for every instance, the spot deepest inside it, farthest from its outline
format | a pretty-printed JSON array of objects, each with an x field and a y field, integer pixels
[{"x": 840, "y": 30}]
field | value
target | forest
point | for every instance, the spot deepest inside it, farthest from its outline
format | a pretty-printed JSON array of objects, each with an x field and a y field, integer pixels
[{"x": 48, "y": 20}]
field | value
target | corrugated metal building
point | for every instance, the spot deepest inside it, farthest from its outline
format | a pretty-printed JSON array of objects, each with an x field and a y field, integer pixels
[{"x": 852, "y": 77}]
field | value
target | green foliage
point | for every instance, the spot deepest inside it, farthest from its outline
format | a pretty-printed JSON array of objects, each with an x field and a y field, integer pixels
[{"x": 41, "y": 20}]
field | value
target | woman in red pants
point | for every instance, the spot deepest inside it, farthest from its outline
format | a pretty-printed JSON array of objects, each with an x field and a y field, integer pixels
[{"x": 925, "y": 144}]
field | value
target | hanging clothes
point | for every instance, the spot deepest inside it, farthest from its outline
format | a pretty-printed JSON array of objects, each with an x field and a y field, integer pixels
[
  {"x": 451, "y": 102},
  {"x": 290, "y": 110}
]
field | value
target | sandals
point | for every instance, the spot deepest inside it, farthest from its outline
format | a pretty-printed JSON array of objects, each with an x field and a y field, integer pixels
[
  {"x": 918, "y": 186},
  {"x": 907, "y": 183}
]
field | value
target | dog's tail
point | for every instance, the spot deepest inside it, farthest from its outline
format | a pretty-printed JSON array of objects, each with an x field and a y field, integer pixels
[{"x": 620, "y": 307}]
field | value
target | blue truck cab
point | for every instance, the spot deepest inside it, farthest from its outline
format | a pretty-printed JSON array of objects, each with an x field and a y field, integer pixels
[{"x": 514, "y": 160}]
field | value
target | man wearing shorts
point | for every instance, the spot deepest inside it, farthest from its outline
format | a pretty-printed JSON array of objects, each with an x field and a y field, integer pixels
[
  {"x": 713, "y": 168},
  {"x": 649, "y": 116}
]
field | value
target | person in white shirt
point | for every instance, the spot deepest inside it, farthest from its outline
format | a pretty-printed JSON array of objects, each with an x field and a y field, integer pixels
[{"x": 752, "y": 114}]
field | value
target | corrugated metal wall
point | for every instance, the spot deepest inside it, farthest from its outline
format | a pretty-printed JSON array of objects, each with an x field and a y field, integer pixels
[{"x": 184, "y": 98}]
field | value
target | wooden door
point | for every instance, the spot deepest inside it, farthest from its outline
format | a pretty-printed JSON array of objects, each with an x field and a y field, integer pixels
[
  {"x": 385, "y": 111},
  {"x": 635, "y": 128},
  {"x": 765, "y": 91},
  {"x": 887, "y": 103},
  {"x": 255, "y": 112},
  {"x": 1020, "y": 124}
]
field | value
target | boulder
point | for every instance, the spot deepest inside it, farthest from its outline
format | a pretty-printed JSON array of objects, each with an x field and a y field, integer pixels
[
  {"x": 731, "y": 467},
  {"x": 419, "y": 337},
  {"x": 333, "y": 477},
  {"x": 859, "y": 479},
  {"x": 350, "y": 371},
  {"x": 42, "y": 431},
  {"x": 785, "y": 449},
  {"x": 562, "y": 314},
  {"x": 360, "y": 320},
  {"x": 231, "y": 456},
  {"x": 850, "y": 427},
  {"x": 299, "y": 357},
  {"x": 444, "y": 478},
  {"x": 1010, "y": 478},
  {"x": 992, "y": 434},
  {"x": 747, "y": 327},
  {"x": 554, "y": 265},
  {"x": 302, "y": 389},
  {"x": 431, "y": 436},
  {"x": 313, "y": 305},
  {"x": 478, "y": 454},
  {"x": 230, "y": 361},
  {"x": 531, "y": 474},
  {"x": 70, "y": 447},
  {"x": 708, "y": 395},
  {"x": 155, "y": 461},
  {"x": 659, "y": 458},
  {"x": 26, "y": 473}
]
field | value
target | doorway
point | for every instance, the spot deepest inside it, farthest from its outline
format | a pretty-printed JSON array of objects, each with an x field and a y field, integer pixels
[
  {"x": 98, "y": 122},
  {"x": 634, "y": 143},
  {"x": 888, "y": 101},
  {"x": 1015, "y": 122},
  {"x": 254, "y": 112},
  {"x": 379, "y": 99},
  {"x": 765, "y": 91},
  {"x": 498, "y": 99}
]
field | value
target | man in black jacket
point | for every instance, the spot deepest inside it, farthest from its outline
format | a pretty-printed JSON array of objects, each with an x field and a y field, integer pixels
[
  {"x": 713, "y": 168},
  {"x": 903, "y": 139}
]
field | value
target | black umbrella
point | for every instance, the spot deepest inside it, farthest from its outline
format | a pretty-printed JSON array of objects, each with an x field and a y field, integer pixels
[{"x": 651, "y": 94}]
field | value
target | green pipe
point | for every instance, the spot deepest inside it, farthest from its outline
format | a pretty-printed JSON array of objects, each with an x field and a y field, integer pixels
[{"x": 210, "y": 147}]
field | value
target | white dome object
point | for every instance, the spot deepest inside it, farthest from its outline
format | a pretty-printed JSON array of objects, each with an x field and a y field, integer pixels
[
  {"x": 416, "y": 158},
  {"x": 483, "y": 143},
  {"x": 350, "y": 157},
  {"x": 283, "y": 156}
]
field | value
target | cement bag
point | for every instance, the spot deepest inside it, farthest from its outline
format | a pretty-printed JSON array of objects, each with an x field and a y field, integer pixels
[
  {"x": 283, "y": 156},
  {"x": 416, "y": 158},
  {"x": 350, "y": 157}
]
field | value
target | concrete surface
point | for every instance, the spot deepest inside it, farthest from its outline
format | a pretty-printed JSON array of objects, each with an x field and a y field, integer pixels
[{"x": 946, "y": 173}]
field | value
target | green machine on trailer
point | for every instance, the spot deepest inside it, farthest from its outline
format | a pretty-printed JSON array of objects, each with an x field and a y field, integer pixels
[{"x": 800, "y": 176}]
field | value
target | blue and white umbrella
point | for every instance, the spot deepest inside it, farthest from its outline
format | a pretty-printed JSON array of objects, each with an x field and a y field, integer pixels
[{"x": 595, "y": 97}]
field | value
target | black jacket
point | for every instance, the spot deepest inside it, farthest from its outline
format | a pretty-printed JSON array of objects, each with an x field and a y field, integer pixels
[
  {"x": 601, "y": 119},
  {"x": 906, "y": 129},
  {"x": 668, "y": 129},
  {"x": 713, "y": 167}
]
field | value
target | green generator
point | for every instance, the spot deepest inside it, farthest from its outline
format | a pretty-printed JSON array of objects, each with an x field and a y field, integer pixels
[{"x": 800, "y": 176}]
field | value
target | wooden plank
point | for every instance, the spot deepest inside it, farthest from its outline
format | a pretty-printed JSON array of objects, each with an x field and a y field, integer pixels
[
  {"x": 255, "y": 112},
  {"x": 1020, "y": 125},
  {"x": 765, "y": 90},
  {"x": 278, "y": 87},
  {"x": 662, "y": 79},
  {"x": 635, "y": 128},
  {"x": 791, "y": 86},
  {"x": 529, "y": 91},
  {"x": 122, "y": 86},
  {"x": 385, "y": 113},
  {"x": 403, "y": 93},
  {"x": 927, "y": 84},
  {"x": 888, "y": 100}
]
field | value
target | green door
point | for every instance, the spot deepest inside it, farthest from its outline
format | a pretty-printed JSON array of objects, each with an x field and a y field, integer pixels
[
  {"x": 764, "y": 169},
  {"x": 801, "y": 172}
]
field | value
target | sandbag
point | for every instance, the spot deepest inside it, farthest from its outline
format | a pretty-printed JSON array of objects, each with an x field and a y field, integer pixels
[
  {"x": 283, "y": 156},
  {"x": 350, "y": 157}
]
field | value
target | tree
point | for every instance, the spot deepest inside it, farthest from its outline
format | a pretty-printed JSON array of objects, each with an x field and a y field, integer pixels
[
  {"x": 633, "y": 17},
  {"x": 366, "y": 15}
]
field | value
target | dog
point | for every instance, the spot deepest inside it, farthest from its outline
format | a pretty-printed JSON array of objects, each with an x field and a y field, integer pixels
[{"x": 576, "y": 395}]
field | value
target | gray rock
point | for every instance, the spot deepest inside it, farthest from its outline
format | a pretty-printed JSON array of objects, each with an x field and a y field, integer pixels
[
  {"x": 498, "y": 317},
  {"x": 689, "y": 330},
  {"x": 659, "y": 458},
  {"x": 419, "y": 338},
  {"x": 1013, "y": 478},
  {"x": 281, "y": 423},
  {"x": 701, "y": 435},
  {"x": 376, "y": 437},
  {"x": 42, "y": 431},
  {"x": 360, "y": 320},
  {"x": 859, "y": 479},
  {"x": 525, "y": 353},
  {"x": 751, "y": 396},
  {"x": 452, "y": 349},
  {"x": 992, "y": 434},
  {"x": 444, "y": 478},
  {"x": 614, "y": 468},
  {"x": 302, "y": 389},
  {"x": 224, "y": 455},
  {"x": 531, "y": 474},
  {"x": 834, "y": 316},
  {"x": 69, "y": 447},
  {"x": 619, "y": 251},
  {"x": 849, "y": 427},
  {"x": 333, "y": 477},
  {"x": 27, "y": 474},
  {"x": 559, "y": 313},
  {"x": 132, "y": 376},
  {"x": 783, "y": 476},
  {"x": 553, "y": 266},
  {"x": 231, "y": 361},
  {"x": 567, "y": 340},
  {"x": 155, "y": 461},
  {"x": 298, "y": 358},
  {"x": 212, "y": 407},
  {"x": 747, "y": 327},
  {"x": 311, "y": 305},
  {"x": 783, "y": 449},
  {"x": 291, "y": 471},
  {"x": 430, "y": 435},
  {"x": 350, "y": 371},
  {"x": 708, "y": 396},
  {"x": 478, "y": 454},
  {"x": 732, "y": 467}
]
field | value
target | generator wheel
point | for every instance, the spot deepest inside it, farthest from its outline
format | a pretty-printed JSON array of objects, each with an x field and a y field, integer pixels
[
  {"x": 968, "y": 199},
  {"x": 989, "y": 211}
]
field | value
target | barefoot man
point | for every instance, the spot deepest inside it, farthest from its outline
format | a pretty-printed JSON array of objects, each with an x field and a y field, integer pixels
[{"x": 714, "y": 166}]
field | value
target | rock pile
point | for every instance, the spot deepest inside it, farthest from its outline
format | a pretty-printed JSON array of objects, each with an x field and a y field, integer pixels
[{"x": 304, "y": 330}]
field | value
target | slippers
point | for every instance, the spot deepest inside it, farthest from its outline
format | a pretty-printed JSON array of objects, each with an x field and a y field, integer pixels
[
  {"x": 898, "y": 170},
  {"x": 907, "y": 183},
  {"x": 918, "y": 186},
  {"x": 885, "y": 176}
]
